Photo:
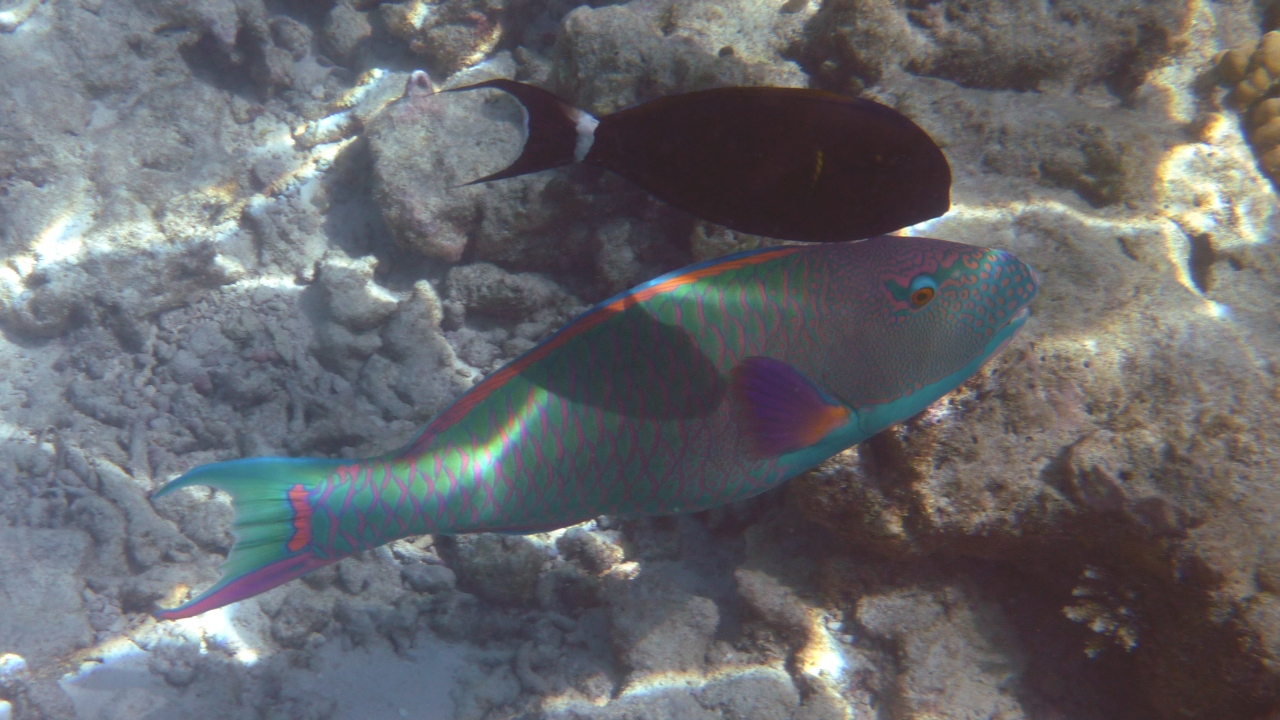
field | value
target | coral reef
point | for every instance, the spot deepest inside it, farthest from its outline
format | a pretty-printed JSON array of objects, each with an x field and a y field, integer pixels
[
  {"x": 940, "y": 637},
  {"x": 235, "y": 228},
  {"x": 425, "y": 147},
  {"x": 1116, "y": 476},
  {"x": 856, "y": 43},
  {"x": 1251, "y": 71},
  {"x": 449, "y": 35},
  {"x": 346, "y": 30},
  {"x": 616, "y": 56}
]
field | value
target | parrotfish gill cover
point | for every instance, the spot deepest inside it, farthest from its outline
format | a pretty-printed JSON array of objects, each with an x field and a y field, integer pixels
[{"x": 707, "y": 385}]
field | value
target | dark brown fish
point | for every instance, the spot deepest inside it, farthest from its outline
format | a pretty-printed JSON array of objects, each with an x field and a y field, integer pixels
[{"x": 788, "y": 163}]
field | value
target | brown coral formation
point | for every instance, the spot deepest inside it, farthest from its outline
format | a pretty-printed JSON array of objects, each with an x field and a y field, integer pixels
[
  {"x": 1264, "y": 134},
  {"x": 1252, "y": 72}
]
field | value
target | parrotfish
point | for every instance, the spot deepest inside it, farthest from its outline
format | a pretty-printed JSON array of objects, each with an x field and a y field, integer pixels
[
  {"x": 704, "y": 386},
  {"x": 788, "y": 163}
]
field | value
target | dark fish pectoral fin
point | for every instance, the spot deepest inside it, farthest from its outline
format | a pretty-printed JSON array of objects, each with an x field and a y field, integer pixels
[
  {"x": 781, "y": 409},
  {"x": 554, "y": 129}
]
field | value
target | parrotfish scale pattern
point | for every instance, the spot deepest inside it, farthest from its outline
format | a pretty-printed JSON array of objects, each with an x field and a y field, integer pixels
[
  {"x": 627, "y": 411},
  {"x": 679, "y": 395}
]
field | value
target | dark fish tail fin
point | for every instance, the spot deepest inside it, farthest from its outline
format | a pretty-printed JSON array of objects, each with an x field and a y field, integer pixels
[{"x": 557, "y": 133}]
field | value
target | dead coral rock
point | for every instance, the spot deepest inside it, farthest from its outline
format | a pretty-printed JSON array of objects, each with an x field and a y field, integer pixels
[
  {"x": 498, "y": 568},
  {"x": 239, "y": 38},
  {"x": 415, "y": 374},
  {"x": 341, "y": 350},
  {"x": 854, "y": 501},
  {"x": 151, "y": 539},
  {"x": 850, "y": 42},
  {"x": 346, "y": 31},
  {"x": 597, "y": 552},
  {"x": 116, "y": 290},
  {"x": 415, "y": 163},
  {"x": 291, "y": 35},
  {"x": 297, "y": 612},
  {"x": 1001, "y": 142},
  {"x": 200, "y": 516},
  {"x": 450, "y": 34},
  {"x": 953, "y": 651},
  {"x": 1094, "y": 474},
  {"x": 657, "y": 626},
  {"x": 427, "y": 578},
  {"x": 709, "y": 241},
  {"x": 352, "y": 296},
  {"x": 1124, "y": 434},
  {"x": 36, "y": 696},
  {"x": 426, "y": 146},
  {"x": 755, "y": 33},
  {"x": 632, "y": 252},
  {"x": 612, "y": 57},
  {"x": 774, "y": 603},
  {"x": 1090, "y": 162},
  {"x": 751, "y": 697},
  {"x": 1006, "y": 44},
  {"x": 44, "y": 613}
]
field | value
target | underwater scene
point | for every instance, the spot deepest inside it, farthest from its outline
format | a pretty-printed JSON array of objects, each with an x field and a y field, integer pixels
[{"x": 639, "y": 359}]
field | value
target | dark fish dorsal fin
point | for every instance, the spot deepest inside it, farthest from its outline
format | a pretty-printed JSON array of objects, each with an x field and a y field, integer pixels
[
  {"x": 781, "y": 409},
  {"x": 551, "y": 124}
]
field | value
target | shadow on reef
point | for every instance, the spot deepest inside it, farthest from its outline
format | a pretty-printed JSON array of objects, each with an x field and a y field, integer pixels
[
  {"x": 232, "y": 73},
  {"x": 353, "y": 219},
  {"x": 1104, "y": 598},
  {"x": 939, "y": 629}
]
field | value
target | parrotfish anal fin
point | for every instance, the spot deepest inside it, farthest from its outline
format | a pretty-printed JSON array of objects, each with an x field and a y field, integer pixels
[
  {"x": 552, "y": 126},
  {"x": 781, "y": 409}
]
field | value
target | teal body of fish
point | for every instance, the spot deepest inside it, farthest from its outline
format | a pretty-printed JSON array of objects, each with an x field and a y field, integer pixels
[{"x": 707, "y": 385}]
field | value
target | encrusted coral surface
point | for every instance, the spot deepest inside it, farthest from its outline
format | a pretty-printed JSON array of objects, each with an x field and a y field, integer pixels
[{"x": 236, "y": 228}]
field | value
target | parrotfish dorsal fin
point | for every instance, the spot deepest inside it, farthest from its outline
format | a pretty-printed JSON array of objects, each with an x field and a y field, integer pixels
[
  {"x": 781, "y": 409},
  {"x": 557, "y": 133}
]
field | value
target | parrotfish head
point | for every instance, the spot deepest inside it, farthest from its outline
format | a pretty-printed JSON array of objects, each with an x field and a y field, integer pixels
[{"x": 924, "y": 316}]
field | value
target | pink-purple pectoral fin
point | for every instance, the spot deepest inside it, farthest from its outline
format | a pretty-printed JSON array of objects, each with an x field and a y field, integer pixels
[{"x": 780, "y": 409}]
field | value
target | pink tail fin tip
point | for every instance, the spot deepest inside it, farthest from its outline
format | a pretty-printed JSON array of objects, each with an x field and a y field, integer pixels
[{"x": 247, "y": 585}]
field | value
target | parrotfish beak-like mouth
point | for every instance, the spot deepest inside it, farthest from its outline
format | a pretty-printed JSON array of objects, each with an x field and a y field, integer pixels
[
  {"x": 1020, "y": 316},
  {"x": 1015, "y": 324},
  {"x": 1010, "y": 329}
]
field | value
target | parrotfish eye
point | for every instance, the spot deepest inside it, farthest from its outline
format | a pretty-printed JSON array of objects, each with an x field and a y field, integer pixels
[{"x": 923, "y": 288}]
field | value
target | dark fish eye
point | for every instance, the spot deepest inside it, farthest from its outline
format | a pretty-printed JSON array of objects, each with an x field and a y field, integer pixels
[{"x": 922, "y": 288}]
